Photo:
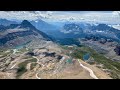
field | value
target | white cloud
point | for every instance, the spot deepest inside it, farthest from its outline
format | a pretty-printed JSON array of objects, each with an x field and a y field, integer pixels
[
  {"x": 20, "y": 15},
  {"x": 98, "y": 16}
]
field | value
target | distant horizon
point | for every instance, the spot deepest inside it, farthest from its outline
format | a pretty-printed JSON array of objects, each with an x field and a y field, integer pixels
[{"x": 107, "y": 17}]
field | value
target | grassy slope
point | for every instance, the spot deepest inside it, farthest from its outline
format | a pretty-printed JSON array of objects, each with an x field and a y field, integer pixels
[
  {"x": 32, "y": 65},
  {"x": 112, "y": 65},
  {"x": 22, "y": 67},
  {"x": 78, "y": 52}
]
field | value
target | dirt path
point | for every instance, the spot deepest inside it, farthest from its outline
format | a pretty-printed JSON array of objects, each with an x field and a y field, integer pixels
[
  {"x": 88, "y": 69},
  {"x": 38, "y": 63},
  {"x": 37, "y": 76},
  {"x": 14, "y": 51},
  {"x": 13, "y": 66},
  {"x": 97, "y": 71}
]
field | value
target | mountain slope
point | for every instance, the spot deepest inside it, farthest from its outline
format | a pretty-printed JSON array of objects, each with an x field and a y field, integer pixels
[
  {"x": 43, "y": 26},
  {"x": 78, "y": 30},
  {"x": 104, "y": 29},
  {"x": 6, "y": 22},
  {"x": 17, "y": 34}
]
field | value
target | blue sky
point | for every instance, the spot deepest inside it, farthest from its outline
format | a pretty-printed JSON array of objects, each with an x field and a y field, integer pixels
[{"x": 87, "y": 16}]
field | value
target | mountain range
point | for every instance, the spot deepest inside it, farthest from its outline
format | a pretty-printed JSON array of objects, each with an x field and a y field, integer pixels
[
  {"x": 40, "y": 57},
  {"x": 66, "y": 30},
  {"x": 82, "y": 30},
  {"x": 17, "y": 34},
  {"x": 6, "y": 22},
  {"x": 44, "y": 26}
]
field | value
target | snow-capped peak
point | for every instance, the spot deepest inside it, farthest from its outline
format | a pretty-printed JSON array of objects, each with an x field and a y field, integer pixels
[{"x": 36, "y": 21}]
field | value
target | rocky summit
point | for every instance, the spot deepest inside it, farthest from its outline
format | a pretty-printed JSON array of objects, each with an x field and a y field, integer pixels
[{"x": 19, "y": 34}]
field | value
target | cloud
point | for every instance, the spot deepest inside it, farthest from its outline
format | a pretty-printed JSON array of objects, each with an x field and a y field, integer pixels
[
  {"x": 21, "y": 15},
  {"x": 98, "y": 16}
]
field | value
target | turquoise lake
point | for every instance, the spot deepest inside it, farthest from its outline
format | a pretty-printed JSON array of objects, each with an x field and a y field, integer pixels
[
  {"x": 22, "y": 45},
  {"x": 86, "y": 56}
]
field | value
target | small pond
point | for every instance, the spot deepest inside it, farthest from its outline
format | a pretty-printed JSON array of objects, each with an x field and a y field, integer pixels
[{"x": 86, "y": 56}]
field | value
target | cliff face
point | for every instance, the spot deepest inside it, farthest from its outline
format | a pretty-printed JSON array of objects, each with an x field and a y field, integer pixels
[{"x": 117, "y": 50}]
